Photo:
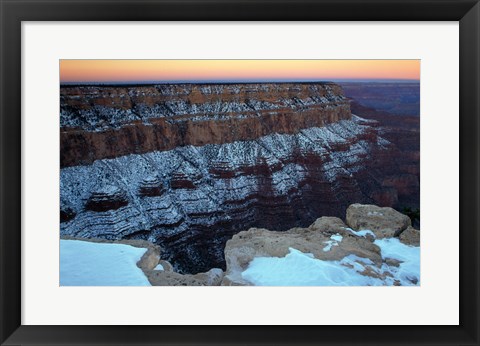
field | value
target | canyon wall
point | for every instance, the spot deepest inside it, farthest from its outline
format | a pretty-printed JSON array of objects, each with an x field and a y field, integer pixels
[
  {"x": 188, "y": 166},
  {"x": 107, "y": 122}
]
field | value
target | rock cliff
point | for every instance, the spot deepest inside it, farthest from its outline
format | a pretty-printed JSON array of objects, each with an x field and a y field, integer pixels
[
  {"x": 404, "y": 134},
  {"x": 108, "y": 122}
]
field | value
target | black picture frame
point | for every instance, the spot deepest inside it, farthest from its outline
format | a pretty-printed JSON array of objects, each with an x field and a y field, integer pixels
[{"x": 13, "y": 12}]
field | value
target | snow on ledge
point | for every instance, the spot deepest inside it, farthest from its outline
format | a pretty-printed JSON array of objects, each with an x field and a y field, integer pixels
[
  {"x": 300, "y": 269},
  {"x": 362, "y": 233},
  {"x": 84, "y": 263},
  {"x": 159, "y": 267},
  {"x": 334, "y": 240}
]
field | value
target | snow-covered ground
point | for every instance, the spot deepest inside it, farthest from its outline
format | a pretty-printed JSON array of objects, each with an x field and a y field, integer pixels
[
  {"x": 302, "y": 269},
  {"x": 85, "y": 263}
]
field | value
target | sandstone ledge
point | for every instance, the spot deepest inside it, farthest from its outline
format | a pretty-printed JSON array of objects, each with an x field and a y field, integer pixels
[
  {"x": 328, "y": 239},
  {"x": 166, "y": 277},
  {"x": 364, "y": 224}
]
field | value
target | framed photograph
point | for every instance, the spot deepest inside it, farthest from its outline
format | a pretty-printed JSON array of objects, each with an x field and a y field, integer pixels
[{"x": 260, "y": 167}]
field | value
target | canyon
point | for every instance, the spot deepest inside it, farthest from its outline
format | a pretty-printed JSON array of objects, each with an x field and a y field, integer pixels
[
  {"x": 187, "y": 166},
  {"x": 401, "y": 98},
  {"x": 99, "y": 123}
]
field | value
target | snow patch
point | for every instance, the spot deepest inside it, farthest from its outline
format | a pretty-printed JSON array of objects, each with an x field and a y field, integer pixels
[
  {"x": 362, "y": 233},
  {"x": 298, "y": 269},
  {"x": 334, "y": 240},
  {"x": 85, "y": 263},
  {"x": 301, "y": 269},
  {"x": 408, "y": 272},
  {"x": 337, "y": 237},
  {"x": 159, "y": 267}
]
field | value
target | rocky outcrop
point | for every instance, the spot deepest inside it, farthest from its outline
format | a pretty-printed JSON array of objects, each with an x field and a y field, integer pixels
[
  {"x": 327, "y": 239},
  {"x": 107, "y": 122},
  {"x": 384, "y": 222},
  {"x": 410, "y": 236}
]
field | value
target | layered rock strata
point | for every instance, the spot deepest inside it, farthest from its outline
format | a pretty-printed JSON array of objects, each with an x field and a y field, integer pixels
[{"x": 107, "y": 122}]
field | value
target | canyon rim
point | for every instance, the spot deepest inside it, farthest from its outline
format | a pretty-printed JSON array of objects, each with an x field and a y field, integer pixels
[{"x": 239, "y": 181}]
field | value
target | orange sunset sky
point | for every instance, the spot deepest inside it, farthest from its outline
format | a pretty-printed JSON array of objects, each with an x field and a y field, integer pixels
[{"x": 234, "y": 70}]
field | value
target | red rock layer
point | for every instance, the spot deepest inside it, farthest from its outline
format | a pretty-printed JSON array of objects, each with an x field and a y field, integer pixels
[{"x": 163, "y": 125}]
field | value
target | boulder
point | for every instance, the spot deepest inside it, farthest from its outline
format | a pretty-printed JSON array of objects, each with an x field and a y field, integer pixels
[
  {"x": 410, "y": 236},
  {"x": 328, "y": 224},
  {"x": 150, "y": 258},
  {"x": 384, "y": 222}
]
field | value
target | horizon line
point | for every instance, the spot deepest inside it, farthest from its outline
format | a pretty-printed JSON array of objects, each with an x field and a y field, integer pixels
[{"x": 241, "y": 81}]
